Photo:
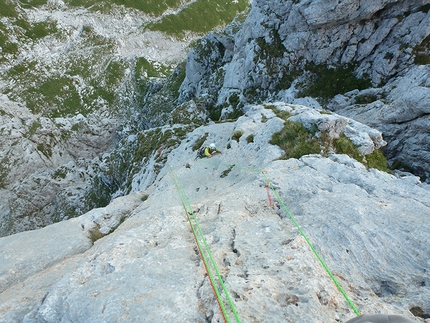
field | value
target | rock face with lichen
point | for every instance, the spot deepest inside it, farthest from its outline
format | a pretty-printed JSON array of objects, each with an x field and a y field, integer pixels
[
  {"x": 136, "y": 259},
  {"x": 316, "y": 238},
  {"x": 366, "y": 60}
]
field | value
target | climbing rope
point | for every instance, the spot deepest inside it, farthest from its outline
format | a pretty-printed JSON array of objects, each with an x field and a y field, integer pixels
[
  {"x": 268, "y": 184},
  {"x": 204, "y": 251},
  {"x": 312, "y": 248}
]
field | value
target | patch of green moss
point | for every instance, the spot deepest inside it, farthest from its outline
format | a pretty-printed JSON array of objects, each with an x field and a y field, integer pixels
[
  {"x": 237, "y": 135},
  {"x": 418, "y": 311},
  {"x": 377, "y": 160},
  {"x": 327, "y": 82},
  {"x": 421, "y": 52},
  {"x": 365, "y": 99},
  {"x": 4, "y": 171},
  {"x": 199, "y": 143},
  {"x": 200, "y": 16},
  {"x": 7, "y": 9},
  {"x": 283, "y": 114},
  {"x": 33, "y": 128},
  {"x": 295, "y": 140},
  {"x": 45, "y": 149},
  {"x": 227, "y": 171}
]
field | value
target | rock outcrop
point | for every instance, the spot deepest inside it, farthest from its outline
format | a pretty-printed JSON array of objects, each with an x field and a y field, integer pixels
[
  {"x": 282, "y": 44},
  {"x": 46, "y": 165},
  {"x": 136, "y": 259},
  {"x": 403, "y": 117}
]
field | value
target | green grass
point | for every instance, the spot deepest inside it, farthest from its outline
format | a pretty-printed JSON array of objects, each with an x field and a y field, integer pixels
[
  {"x": 421, "y": 52},
  {"x": 237, "y": 135},
  {"x": 153, "y": 7},
  {"x": 227, "y": 171},
  {"x": 127, "y": 160},
  {"x": 33, "y": 3},
  {"x": 343, "y": 145},
  {"x": 4, "y": 171},
  {"x": 201, "y": 16},
  {"x": 7, "y": 46},
  {"x": 270, "y": 50},
  {"x": 199, "y": 143},
  {"x": 54, "y": 97},
  {"x": 365, "y": 99},
  {"x": 38, "y": 30},
  {"x": 159, "y": 108},
  {"x": 7, "y": 9},
  {"x": 145, "y": 69},
  {"x": 295, "y": 140},
  {"x": 92, "y": 60},
  {"x": 326, "y": 82},
  {"x": 376, "y": 159},
  {"x": 33, "y": 128}
]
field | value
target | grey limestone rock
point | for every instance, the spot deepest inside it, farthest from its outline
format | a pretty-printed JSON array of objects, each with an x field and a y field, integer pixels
[{"x": 368, "y": 226}]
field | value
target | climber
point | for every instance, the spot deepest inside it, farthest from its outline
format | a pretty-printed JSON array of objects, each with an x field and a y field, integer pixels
[
  {"x": 207, "y": 151},
  {"x": 380, "y": 318}
]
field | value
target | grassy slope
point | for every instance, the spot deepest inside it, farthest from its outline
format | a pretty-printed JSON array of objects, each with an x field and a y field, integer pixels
[{"x": 91, "y": 75}]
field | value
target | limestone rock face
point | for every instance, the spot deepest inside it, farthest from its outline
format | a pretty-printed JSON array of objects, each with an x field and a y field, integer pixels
[
  {"x": 136, "y": 260},
  {"x": 46, "y": 164},
  {"x": 381, "y": 39},
  {"x": 404, "y": 120}
]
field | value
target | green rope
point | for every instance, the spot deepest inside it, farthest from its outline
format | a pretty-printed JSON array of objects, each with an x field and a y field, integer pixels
[
  {"x": 302, "y": 233},
  {"x": 189, "y": 211},
  {"x": 312, "y": 248}
]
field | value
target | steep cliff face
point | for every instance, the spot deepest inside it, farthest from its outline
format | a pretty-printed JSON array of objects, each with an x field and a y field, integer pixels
[
  {"x": 316, "y": 238},
  {"x": 72, "y": 74},
  {"x": 361, "y": 50},
  {"x": 136, "y": 260}
]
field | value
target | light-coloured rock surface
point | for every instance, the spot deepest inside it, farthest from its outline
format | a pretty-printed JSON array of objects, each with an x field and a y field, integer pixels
[
  {"x": 279, "y": 38},
  {"x": 46, "y": 164},
  {"x": 369, "y": 227},
  {"x": 403, "y": 117}
]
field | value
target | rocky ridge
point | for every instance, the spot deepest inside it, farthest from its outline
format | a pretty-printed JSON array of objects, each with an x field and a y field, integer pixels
[
  {"x": 136, "y": 260},
  {"x": 283, "y": 44},
  {"x": 65, "y": 92},
  {"x": 120, "y": 263}
]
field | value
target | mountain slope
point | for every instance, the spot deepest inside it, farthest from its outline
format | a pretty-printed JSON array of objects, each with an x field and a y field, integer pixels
[
  {"x": 136, "y": 259},
  {"x": 72, "y": 74}
]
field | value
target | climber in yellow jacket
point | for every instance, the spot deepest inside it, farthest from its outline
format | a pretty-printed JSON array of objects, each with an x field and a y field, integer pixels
[{"x": 208, "y": 151}]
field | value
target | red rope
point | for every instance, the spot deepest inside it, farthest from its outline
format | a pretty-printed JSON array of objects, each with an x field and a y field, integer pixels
[{"x": 268, "y": 194}]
